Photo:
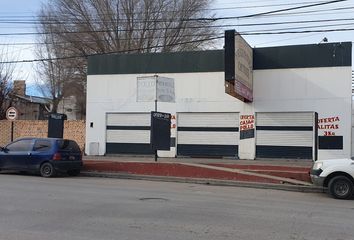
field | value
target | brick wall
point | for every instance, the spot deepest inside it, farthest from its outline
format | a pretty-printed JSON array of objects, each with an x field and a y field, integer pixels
[
  {"x": 5, "y": 132},
  {"x": 74, "y": 130}
]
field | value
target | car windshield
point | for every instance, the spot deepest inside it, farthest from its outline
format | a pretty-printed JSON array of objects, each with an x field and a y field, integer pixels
[{"x": 68, "y": 145}]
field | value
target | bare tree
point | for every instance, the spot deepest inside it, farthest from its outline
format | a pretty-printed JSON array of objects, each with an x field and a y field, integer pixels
[
  {"x": 100, "y": 26},
  {"x": 54, "y": 71},
  {"x": 6, "y": 74},
  {"x": 84, "y": 27}
]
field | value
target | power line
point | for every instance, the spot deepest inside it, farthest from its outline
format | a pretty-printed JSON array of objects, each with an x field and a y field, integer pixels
[
  {"x": 206, "y": 9},
  {"x": 215, "y": 19},
  {"x": 187, "y": 27},
  {"x": 54, "y": 21},
  {"x": 293, "y": 32},
  {"x": 300, "y": 16},
  {"x": 304, "y": 13},
  {"x": 274, "y": 11},
  {"x": 187, "y": 35},
  {"x": 321, "y": 3},
  {"x": 174, "y": 44},
  {"x": 120, "y": 39},
  {"x": 304, "y": 27},
  {"x": 210, "y": 19},
  {"x": 287, "y": 39},
  {"x": 263, "y": 31},
  {"x": 112, "y": 52}
]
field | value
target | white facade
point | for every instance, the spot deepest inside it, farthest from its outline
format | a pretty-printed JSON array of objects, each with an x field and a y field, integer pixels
[
  {"x": 195, "y": 92},
  {"x": 325, "y": 90}
]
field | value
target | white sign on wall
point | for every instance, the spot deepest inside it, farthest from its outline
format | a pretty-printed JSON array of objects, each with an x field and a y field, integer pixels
[
  {"x": 146, "y": 89},
  {"x": 165, "y": 89},
  {"x": 151, "y": 88}
]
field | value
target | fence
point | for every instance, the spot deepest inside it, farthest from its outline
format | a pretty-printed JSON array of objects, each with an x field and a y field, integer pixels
[{"x": 74, "y": 130}]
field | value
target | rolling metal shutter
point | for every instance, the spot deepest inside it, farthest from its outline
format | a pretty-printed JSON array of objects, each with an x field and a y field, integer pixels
[
  {"x": 207, "y": 134},
  {"x": 128, "y": 133},
  {"x": 286, "y": 135}
]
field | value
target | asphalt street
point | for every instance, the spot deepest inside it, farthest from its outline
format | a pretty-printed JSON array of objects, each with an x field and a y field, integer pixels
[{"x": 35, "y": 208}]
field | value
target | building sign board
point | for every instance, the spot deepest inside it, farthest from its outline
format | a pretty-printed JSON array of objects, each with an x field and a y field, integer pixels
[
  {"x": 160, "y": 133},
  {"x": 165, "y": 89},
  {"x": 146, "y": 89},
  {"x": 154, "y": 88},
  {"x": 247, "y": 126},
  {"x": 329, "y": 125},
  {"x": 11, "y": 114},
  {"x": 238, "y": 67},
  {"x": 329, "y": 136}
]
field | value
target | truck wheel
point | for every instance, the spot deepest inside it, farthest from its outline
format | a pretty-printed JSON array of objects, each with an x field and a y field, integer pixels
[{"x": 341, "y": 187}]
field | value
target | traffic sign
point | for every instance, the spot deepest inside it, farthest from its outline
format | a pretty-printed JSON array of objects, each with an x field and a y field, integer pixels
[{"x": 11, "y": 113}]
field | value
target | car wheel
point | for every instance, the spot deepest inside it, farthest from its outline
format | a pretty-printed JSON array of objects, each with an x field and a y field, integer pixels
[
  {"x": 74, "y": 172},
  {"x": 47, "y": 170},
  {"x": 341, "y": 187}
]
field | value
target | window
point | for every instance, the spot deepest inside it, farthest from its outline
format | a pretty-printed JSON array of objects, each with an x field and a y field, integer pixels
[
  {"x": 42, "y": 146},
  {"x": 21, "y": 145},
  {"x": 68, "y": 145}
]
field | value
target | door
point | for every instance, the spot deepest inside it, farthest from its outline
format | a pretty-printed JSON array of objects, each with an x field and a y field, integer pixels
[
  {"x": 128, "y": 133},
  {"x": 286, "y": 135},
  {"x": 208, "y": 134},
  {"x": 17, "y": 154},
  {"x": 42, "y": 150}
]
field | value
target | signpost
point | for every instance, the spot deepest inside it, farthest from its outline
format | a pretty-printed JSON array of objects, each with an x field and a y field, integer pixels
[
  {"x": 157, "y": 89},
  {"x": 12, "y": 115}
]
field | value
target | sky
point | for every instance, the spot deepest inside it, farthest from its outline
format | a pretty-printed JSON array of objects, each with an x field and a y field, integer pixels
[{"x": 19, "y": 9}]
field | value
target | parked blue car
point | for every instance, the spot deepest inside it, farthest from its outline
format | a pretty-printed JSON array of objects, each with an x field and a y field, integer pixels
[{"x": 48, "y": 156}]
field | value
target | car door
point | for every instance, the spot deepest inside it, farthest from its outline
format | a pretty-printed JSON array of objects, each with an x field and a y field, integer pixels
[
  {"x": 42, "y": 151},
  {"x": 16, "y": 154}
]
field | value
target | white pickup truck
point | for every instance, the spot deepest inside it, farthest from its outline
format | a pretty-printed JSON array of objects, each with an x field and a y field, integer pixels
[{"x": 337, "y": 175}]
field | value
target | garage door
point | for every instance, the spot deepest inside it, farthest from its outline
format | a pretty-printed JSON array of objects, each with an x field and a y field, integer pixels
[
  {"x": 128, "y": 133},
  {"x": 286, "y": 135},
  {"x": 207, "y": 134}
]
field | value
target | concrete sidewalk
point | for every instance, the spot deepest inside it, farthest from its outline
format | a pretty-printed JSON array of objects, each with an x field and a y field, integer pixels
[
  {"x": 270, "y": 162},
  {"x": 271, "y": 173}
]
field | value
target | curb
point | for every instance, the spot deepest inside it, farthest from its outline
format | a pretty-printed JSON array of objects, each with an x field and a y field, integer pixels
[{"x": 213, "y": 182}]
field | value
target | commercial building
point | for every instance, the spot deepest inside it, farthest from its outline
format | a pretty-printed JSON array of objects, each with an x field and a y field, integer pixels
[{"x": 299, "y": 92}]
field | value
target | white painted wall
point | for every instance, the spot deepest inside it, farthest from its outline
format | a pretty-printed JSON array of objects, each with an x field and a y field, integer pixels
[
  {"x": 325, "y": 90},
  {"x": 195, "y": 92}
]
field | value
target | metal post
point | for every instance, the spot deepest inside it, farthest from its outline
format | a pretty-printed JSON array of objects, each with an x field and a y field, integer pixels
[
  {"x": 12, "y": 131},
  {"x": 156, "y": 82}
]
